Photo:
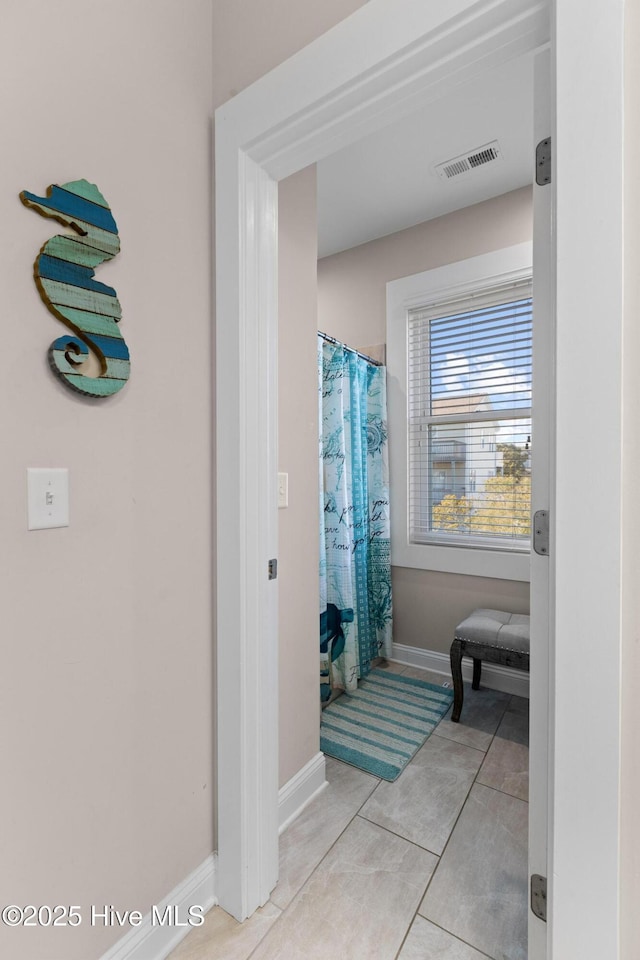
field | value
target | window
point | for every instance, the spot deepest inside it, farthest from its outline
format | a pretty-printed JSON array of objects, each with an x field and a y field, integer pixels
[
  {"x": 469, "y": 423},
  {"x": 459, "y": 363}
]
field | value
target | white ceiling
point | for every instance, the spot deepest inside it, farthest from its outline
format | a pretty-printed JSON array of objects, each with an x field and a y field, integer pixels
[{"x": 386, "y": 181}]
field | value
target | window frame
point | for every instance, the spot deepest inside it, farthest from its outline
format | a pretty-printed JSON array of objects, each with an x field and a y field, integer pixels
[{"x": 453, "y": 281}]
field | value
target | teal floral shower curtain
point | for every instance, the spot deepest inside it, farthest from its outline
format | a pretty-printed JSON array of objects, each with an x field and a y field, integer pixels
[{"x": 355, "y": 570}]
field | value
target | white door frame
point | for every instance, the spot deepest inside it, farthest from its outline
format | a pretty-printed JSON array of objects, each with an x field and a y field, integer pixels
[
  {"x": 373, "y": 67},
  {"x": 542, "y": 491},
  {"x": 588, "y": 43}
]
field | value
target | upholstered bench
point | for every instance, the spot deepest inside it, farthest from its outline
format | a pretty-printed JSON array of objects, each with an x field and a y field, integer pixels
[{"x": 488, "y": 635}]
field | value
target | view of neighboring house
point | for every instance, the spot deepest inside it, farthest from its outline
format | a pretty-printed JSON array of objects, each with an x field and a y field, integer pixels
[{"x": 464, "y": 455}]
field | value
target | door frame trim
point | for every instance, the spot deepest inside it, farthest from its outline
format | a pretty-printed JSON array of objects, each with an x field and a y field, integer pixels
[
  {"x": 378, "y": 65},
  {"x": 375, "y": 66}
]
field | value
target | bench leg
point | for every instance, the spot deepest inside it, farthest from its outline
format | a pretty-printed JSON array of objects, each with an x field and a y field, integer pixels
[
  {"x": 477, "y": 671},
  {"x": 456, "y": 673}
]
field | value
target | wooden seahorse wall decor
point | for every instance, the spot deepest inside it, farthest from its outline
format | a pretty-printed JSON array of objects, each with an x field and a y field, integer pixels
[{"x": 64, "y": 271}]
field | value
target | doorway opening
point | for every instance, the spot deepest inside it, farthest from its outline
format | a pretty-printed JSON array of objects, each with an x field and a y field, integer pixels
[
  {"x": 384, "y": 213},
  {"x": 306, "y": 109}
]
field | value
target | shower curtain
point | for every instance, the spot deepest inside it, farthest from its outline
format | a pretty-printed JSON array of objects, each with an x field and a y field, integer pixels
[{"x": 355, "y": 570}]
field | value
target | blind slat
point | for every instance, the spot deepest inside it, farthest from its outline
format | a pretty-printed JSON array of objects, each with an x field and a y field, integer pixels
[{"x": 469, "y": 384}]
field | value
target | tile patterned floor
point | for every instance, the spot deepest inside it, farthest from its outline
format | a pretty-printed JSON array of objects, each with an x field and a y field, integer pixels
[{"x": 430, "y": 867}]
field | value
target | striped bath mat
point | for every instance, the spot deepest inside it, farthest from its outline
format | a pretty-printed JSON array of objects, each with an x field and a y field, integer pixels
[{"x": 380, "y": 726}]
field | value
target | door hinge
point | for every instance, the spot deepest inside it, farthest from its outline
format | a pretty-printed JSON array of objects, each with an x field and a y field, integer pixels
[
  {"x": 541, "y": 532},
  {"x": 543, "y": 162},
  {"x": 539, "y": 896},
  {"x": 273, "y": 569}
]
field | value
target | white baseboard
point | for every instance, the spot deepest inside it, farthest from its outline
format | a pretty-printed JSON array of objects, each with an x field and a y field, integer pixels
[
  {"x": 300, "y": 790},
  {"x": 494, "y": 676},
  {"x": 154, "y": 941}
]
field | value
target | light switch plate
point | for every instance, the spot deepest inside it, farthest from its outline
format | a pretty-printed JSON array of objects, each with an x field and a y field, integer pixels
[
  {"x": 47, "y": 497},
  {"x": 283, "y": 490}
]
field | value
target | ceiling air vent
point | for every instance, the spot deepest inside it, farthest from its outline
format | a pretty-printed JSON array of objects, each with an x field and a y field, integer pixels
[{"x": 469, "y": 161}]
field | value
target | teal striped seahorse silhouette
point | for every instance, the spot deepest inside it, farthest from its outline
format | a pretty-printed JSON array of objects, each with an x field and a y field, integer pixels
[{"x": 64, "y": 271}]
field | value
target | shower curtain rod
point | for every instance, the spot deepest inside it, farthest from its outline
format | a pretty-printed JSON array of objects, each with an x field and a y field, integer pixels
[{"x": 325, "y": 336}]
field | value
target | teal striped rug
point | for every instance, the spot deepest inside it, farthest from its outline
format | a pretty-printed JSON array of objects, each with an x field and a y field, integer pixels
[{"x": 380, "y": 726}]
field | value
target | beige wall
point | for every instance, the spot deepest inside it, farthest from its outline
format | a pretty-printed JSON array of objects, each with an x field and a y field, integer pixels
[
  {"x": 352, "y": 286},
  {"x": 251, "y": 37},
  {"x": 298, "y": 457},
  {"x": 352, "y": 307},
  {"x": 630, "y": 758},
  {"x": 428, "y": 604},
  {"x": 106, "y": 684}
]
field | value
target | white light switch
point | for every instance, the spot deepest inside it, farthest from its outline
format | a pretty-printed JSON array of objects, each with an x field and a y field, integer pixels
[
  {"x": 47, "y": 497},
  {"x": 283, "y": 490}
]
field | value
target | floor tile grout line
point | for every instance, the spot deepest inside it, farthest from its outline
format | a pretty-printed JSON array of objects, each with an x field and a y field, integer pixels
[
  {"x": 400, "y": 837},
  {"x": 467, "y": 795},
  {"x": 430, "y": 880},
  {"x": 442, "y": 736},
  {"x": 464, "y": 803},
  {"x": 453, "y": 827},
  {"x": 415, "y": 844},
  {"x": 283, "y": 910},
  {"x": 358, "y": 813},
  {"x": 444, "y": 849},
  {"x": 490, "y": 786},
  {"x": 455, "y": 936},
  {"x": 492, "y": 736},
  {"x": 330, "y": 848},
  {"x": 479, "y": 771},
  {"x": 417, "y": 911},
  {"x": 440, "y": 859},
  {"x": 276, "y": 921},
  {"x": 262, "y": 938},
  {"x": 487, "y": 786},
  {"x": 413, "y": 920}
]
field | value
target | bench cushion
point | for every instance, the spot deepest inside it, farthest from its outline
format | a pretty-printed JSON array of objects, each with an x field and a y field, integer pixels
[{"x": 507, "y": 631}]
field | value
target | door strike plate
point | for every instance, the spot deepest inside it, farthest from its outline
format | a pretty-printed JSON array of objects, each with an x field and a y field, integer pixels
[
  {"x": 543, "y": 162},
  {"x": 273, "y": 569},
  {"x": 539, "y": 896},
  {"x": 541, "y": 532}
]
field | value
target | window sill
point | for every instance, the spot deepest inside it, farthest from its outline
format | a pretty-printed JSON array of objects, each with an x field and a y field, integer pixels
[{"x": 468, "y": 561}]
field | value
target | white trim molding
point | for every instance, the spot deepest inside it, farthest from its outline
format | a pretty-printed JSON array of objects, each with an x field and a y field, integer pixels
[
  {"x": 586, "y": 660},
  {"x": 298, "y": 792},
  {"x": 153, "y": 940},
  {"x": 494, "y": 676}
]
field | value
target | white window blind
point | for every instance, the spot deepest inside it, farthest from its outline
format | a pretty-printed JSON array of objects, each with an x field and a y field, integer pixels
[{"x": 469, "y": 397}]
